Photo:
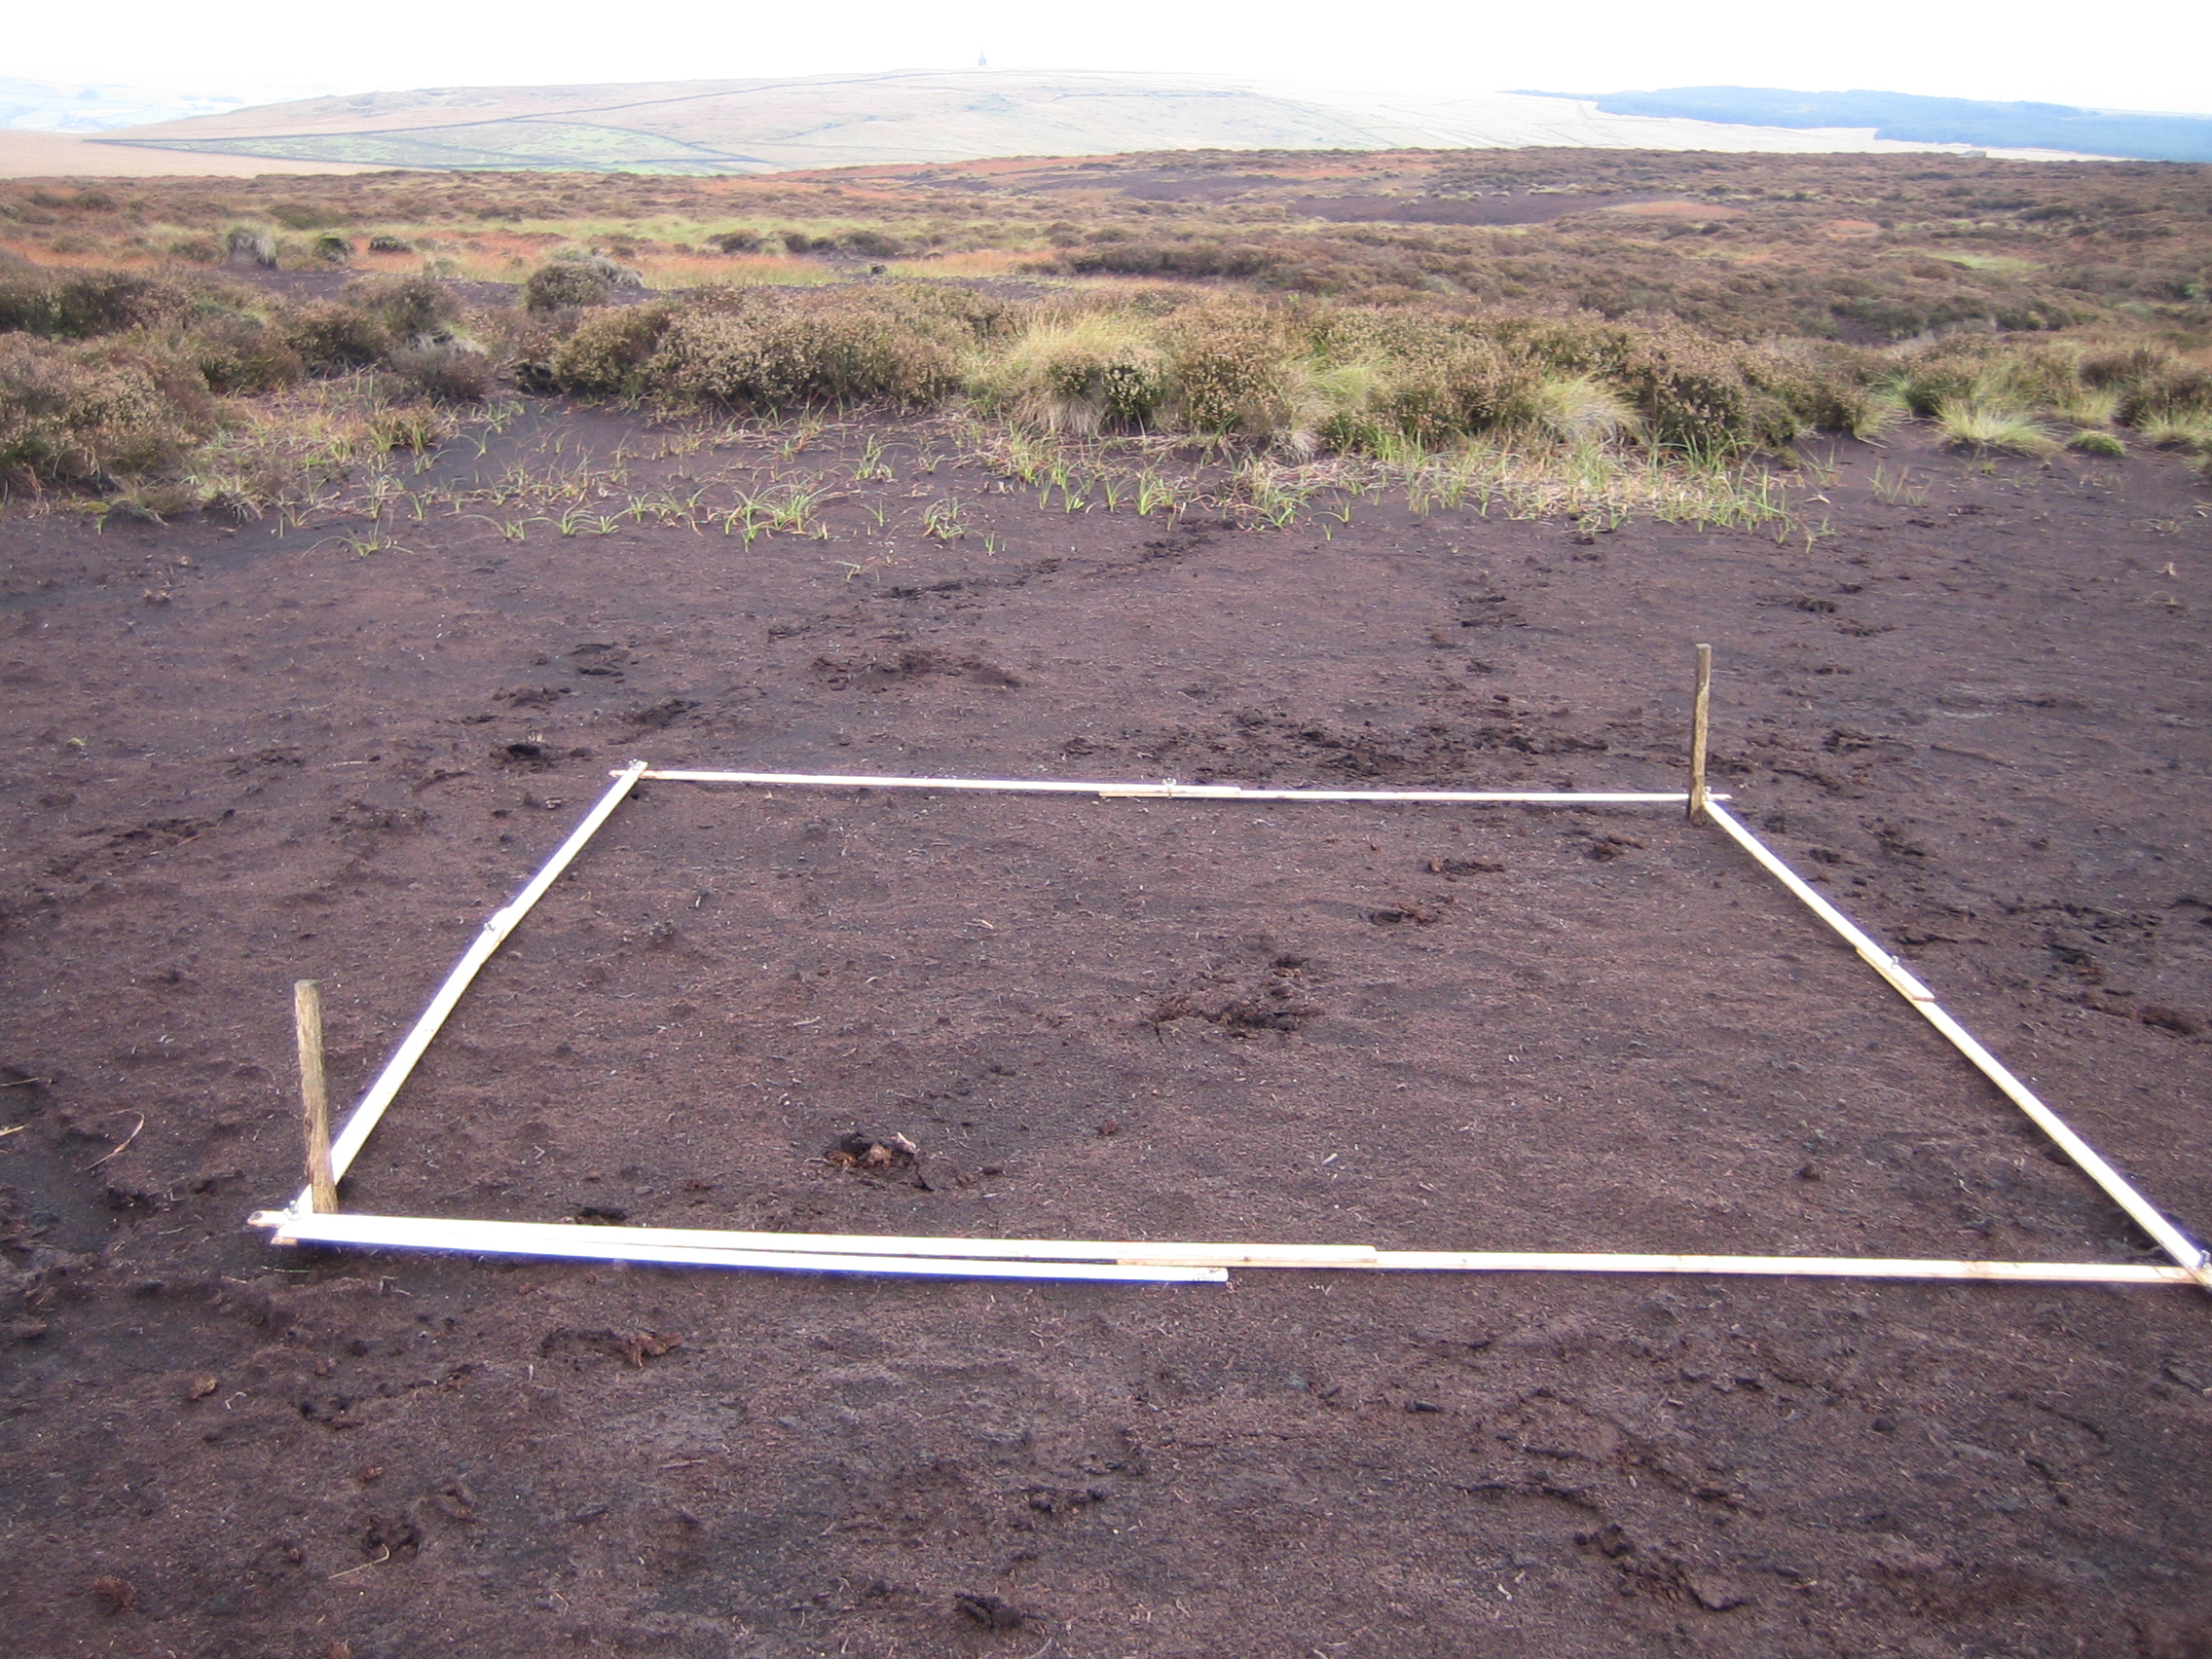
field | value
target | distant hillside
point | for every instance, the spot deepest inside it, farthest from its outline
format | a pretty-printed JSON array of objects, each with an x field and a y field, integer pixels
[
  {"x": 772, "y": 125},
  {"x": 1909, "y": 118},
  {"x": 85, "y": 106}
]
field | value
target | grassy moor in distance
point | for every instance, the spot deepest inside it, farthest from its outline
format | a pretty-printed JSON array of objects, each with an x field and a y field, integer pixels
[
  {"x": 1695, "y": 306},
  {"x": 355, "y": 527}
]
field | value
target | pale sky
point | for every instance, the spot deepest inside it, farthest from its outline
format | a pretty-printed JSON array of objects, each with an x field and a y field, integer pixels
[{"x": 2155, "y": 54}]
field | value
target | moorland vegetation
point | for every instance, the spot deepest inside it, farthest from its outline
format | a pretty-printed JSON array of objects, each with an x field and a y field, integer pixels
[{"x": 235, "y": 345}]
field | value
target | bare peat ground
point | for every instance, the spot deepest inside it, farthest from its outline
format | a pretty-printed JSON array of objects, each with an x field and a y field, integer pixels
[{"x": 1977, "y": 711}]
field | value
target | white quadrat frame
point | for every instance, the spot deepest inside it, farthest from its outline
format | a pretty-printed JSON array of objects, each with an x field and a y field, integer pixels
[{"x": 1134, "y": 1261}]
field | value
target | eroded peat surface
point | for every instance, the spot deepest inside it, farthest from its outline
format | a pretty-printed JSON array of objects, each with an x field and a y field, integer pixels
[{"x": 1974, "y": 709}]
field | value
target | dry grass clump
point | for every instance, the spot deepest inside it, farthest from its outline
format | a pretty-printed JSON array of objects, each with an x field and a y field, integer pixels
[
  {"x": 1981, "y": 426},
  {"x": 1301, "y": 377},
  {"x": 1992, "y": 393},
  {"x": 2190, "y": 431},
  {"x": 1082, "y": 374},
  {"x": 1579, "y": 409},
  {"x": 2092, "y": 440}
]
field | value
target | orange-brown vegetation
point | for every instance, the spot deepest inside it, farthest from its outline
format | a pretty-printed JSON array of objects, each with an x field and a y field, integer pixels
[{"x": 1707, "y": 303}]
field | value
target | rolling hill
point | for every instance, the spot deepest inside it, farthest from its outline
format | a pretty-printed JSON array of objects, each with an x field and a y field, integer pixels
[{"x": 772, "y": 125}]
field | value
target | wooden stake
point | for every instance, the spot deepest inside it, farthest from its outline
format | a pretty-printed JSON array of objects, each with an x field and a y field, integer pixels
[
  {"x": 314, "y": 1103},
  {"x": 397, "y": 1070},
  {"x": 1700, "y": 716}
]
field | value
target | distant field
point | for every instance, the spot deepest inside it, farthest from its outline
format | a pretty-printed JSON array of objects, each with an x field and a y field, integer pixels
[
  {"x": 68, "y": 154},
  {"x": 764, "y": 126}
]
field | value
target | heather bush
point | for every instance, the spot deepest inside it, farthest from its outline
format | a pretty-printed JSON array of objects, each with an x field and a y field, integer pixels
[
  {"x": 1492, "y": 386},
  {"x": 409, "y": 307},
  {"x": 607, "y": 353},
  {"x": 565, "y": 283},
  {"x": 1279, "y": 266},
  {"x": 2125, "y": 368},
  {"x": 73, "y": 411},
  {"x": 1236, "y": 373},
  {"x": 577, "y": 280},
  {"x": 1462, "y": 387},
  {"x": 2174, "y": 389},
  {"x": 771, "y": 348},
  {"x": 240, "y": 355},
  {"x": 1395, "y": 373},
  {"x": 446, "y": 371},
  {"x": 1813, "y": 386},
  {"x": 80, "y": 305},
  {"x": 1692, "y": 395},
  {"x": 524, "y": 343},
  {"x": 872, "y": 244},
  {"x": 331, "y": 338},
  {"x": 774, "y": 357}
]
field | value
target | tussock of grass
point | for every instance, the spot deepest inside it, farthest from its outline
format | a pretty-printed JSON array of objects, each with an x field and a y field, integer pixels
[
  {"x": 1579, "y": 410},
  {"x": 1979, "y": 427},
  {"x": 1078, "y": 374},
  {"x": 1297, "y": 377},
  {"x": 2094, "y": 440},
  {"x": 2189, "y": 431},
  {"x": 2087, "y": 407}
]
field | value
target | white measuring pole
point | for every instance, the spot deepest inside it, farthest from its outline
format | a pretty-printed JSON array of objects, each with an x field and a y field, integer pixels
[
  {"x": 495, "y": 929},
  {"x": 1169, "y": 789},
  {"x": 2146, "y": 1215}
]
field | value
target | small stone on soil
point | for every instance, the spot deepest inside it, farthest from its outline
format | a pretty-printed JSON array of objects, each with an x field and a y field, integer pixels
[{"x": 990, "y": 1612}]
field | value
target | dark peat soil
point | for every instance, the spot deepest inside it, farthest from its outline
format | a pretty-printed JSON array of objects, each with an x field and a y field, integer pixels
[{"x": 1977, "y": 712}]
